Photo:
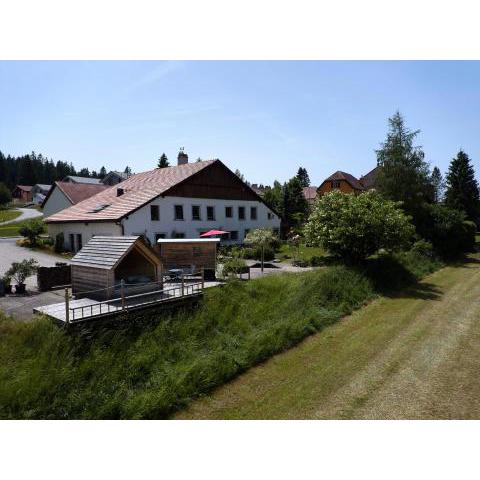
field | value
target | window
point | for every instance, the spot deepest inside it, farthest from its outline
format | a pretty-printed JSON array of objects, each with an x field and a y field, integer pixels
[
  {"x": 195, "y": 212},
  {"x": 210, "y": 213},
  {"x": 253, "y": 213},
  {"x": 228, "y": 212},
  {"x": 178, "y": 212},
  {"x": 335, "y": 183},
  {"x": 247, "y": 230},
  {"x": 158, "y": 236},
  {"x": 72, "y": 242},
  {"x": 178, "y": 235},
  {"x": 154, "y": 213},
  {"x": 233, "y": 235},
  {"x": 270, "y": 215},
  {"x": 241, "y": 213}
]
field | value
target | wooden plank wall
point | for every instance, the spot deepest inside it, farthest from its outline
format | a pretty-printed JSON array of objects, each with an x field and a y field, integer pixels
[
  {"x": 184, "y": 254},
  {"x": 86, "y": 279}
]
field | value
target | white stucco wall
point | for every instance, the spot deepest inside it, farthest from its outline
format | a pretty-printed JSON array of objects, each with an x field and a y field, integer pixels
[
  {"x": 86, "y": 230},
  {"x": 55, "y": 203},
  {"x": 140, "y": 222}
]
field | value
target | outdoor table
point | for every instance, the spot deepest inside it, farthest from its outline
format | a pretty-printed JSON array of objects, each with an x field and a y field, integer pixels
[{"x": 175, "y": 273}]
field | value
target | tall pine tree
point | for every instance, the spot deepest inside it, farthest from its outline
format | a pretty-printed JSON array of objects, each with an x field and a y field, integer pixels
[
  {"x": 462, "y": 188},
  {"x": 404, "y": 174},
  {"x": 163, "y": 161},
  {"x": 438, "y": 185},
  {"x": 303, "y": 177}
]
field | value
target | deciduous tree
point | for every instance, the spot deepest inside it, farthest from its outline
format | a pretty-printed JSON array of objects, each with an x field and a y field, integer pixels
[{"x": 354, "y": 227}]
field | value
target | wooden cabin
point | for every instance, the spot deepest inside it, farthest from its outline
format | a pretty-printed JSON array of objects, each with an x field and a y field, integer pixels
[
  {"x": 345, "y": 182},
  {"x": 189, "y": 253},
  {"x": 22, "y": 194},
  {"x": 101, "y": 265}
]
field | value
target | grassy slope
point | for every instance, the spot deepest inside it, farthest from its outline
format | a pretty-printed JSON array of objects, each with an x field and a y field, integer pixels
[
  {"x": 149, "y": 370},
  {"x": 10, "y": 214},
  {"x": 416, "y": 355}
]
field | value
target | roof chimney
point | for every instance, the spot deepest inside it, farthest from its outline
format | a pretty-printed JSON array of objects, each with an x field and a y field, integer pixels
[{"x": 182, "y": 157}]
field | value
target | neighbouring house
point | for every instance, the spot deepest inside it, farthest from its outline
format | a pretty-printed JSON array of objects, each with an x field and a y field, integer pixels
[
  {"x": 181, "y": 201},
  {"x": 114, "y": 178},
  {"x": 39, "y": 192},
  {"x": 77, "y": 179},
  {"x": 99, "y": 268},
  {"x": 258, "y": 189},
  {"x": 310, "y": 194},
  {"x": 345, "y": 182},
  {"x": 369, "y": 180},
  {"x": 65, "y": 194},
  {"x": 22, "y": 194}
]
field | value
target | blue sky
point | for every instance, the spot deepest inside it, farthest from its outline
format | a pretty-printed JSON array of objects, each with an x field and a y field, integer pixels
[{"x": 264, "y": 118}]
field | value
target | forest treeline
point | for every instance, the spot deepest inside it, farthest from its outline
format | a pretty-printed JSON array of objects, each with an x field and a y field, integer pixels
[{"x": 35, "y": 168}]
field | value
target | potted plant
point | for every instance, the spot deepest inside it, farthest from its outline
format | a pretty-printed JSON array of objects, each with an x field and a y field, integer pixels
[
  {"x": 7, "y": 287},
  {"x": 20, "y": 271}
]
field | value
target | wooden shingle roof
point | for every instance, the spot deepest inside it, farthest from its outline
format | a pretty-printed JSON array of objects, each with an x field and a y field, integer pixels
[
  {"x": 104, "y": 252},
  {"x": 138, "y": 190}
]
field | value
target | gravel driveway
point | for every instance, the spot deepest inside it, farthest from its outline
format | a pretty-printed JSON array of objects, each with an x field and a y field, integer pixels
[
  {"x": 27, "y": 214},
  {"x": 11, "y": 252}
]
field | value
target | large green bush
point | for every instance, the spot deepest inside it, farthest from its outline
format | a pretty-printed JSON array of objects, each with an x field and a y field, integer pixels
[
  {"x": 354, "y": 227},
  {"x": 448, "y": 230},
  {"x": 32, "y": 230}
]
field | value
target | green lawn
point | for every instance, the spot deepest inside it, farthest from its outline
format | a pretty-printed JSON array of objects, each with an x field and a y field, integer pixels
[
  {"x": 12, "y": 229},
  {"x": 9, "y": 214},
  {"x": 304, "y": 253},
  {"x": 409, "y": 356}
]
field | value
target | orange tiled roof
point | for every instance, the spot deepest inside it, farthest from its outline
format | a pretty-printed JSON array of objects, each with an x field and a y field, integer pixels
[{"x": 138, "y": 190}]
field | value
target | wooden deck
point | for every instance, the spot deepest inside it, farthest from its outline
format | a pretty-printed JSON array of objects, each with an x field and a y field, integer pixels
[{"x": 85, "y": 309}]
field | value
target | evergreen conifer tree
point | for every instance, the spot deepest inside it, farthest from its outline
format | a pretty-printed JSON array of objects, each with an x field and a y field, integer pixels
[{"x": 462, "y": 187}]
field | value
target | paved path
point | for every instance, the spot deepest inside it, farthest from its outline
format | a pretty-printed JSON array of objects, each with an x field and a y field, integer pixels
[
  {"x": 27, "y": 214},
  {"x": 412, "y": 356}
]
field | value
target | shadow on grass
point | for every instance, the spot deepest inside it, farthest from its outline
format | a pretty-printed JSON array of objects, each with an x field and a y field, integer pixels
[{"x": 392, "y": 279}]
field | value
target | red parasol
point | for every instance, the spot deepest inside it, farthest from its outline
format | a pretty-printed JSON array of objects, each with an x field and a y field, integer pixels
[{"x": 213, "y": 233}]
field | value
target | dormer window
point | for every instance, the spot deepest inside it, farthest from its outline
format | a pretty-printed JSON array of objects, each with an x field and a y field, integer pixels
[{"x": 120, "y": 192}]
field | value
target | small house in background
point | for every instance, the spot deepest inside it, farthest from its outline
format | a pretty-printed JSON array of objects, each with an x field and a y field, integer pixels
[
  {"x": 22, "y": 194},
  {"x": 39, "y": 192},
  {"x": 77, "y": 179},
  {"x": 114, "y": 178},
  {"x": 310, "y": 194},
  {"x": 345, "y": 182},
  {"x": 65, "y": 194},
  {"x": 100, "y": 266},
  {"x": 369, "y": 180},
  {"x": 193, "y": 254}
]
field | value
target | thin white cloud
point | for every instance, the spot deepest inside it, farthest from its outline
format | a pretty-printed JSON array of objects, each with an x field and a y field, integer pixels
[{"x": 158, "y": 73}]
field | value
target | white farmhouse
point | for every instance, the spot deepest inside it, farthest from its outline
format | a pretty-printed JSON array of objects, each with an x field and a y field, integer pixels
[
  {"x": 65, "y": 194},
  {"x": 182, "y": 201}
]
